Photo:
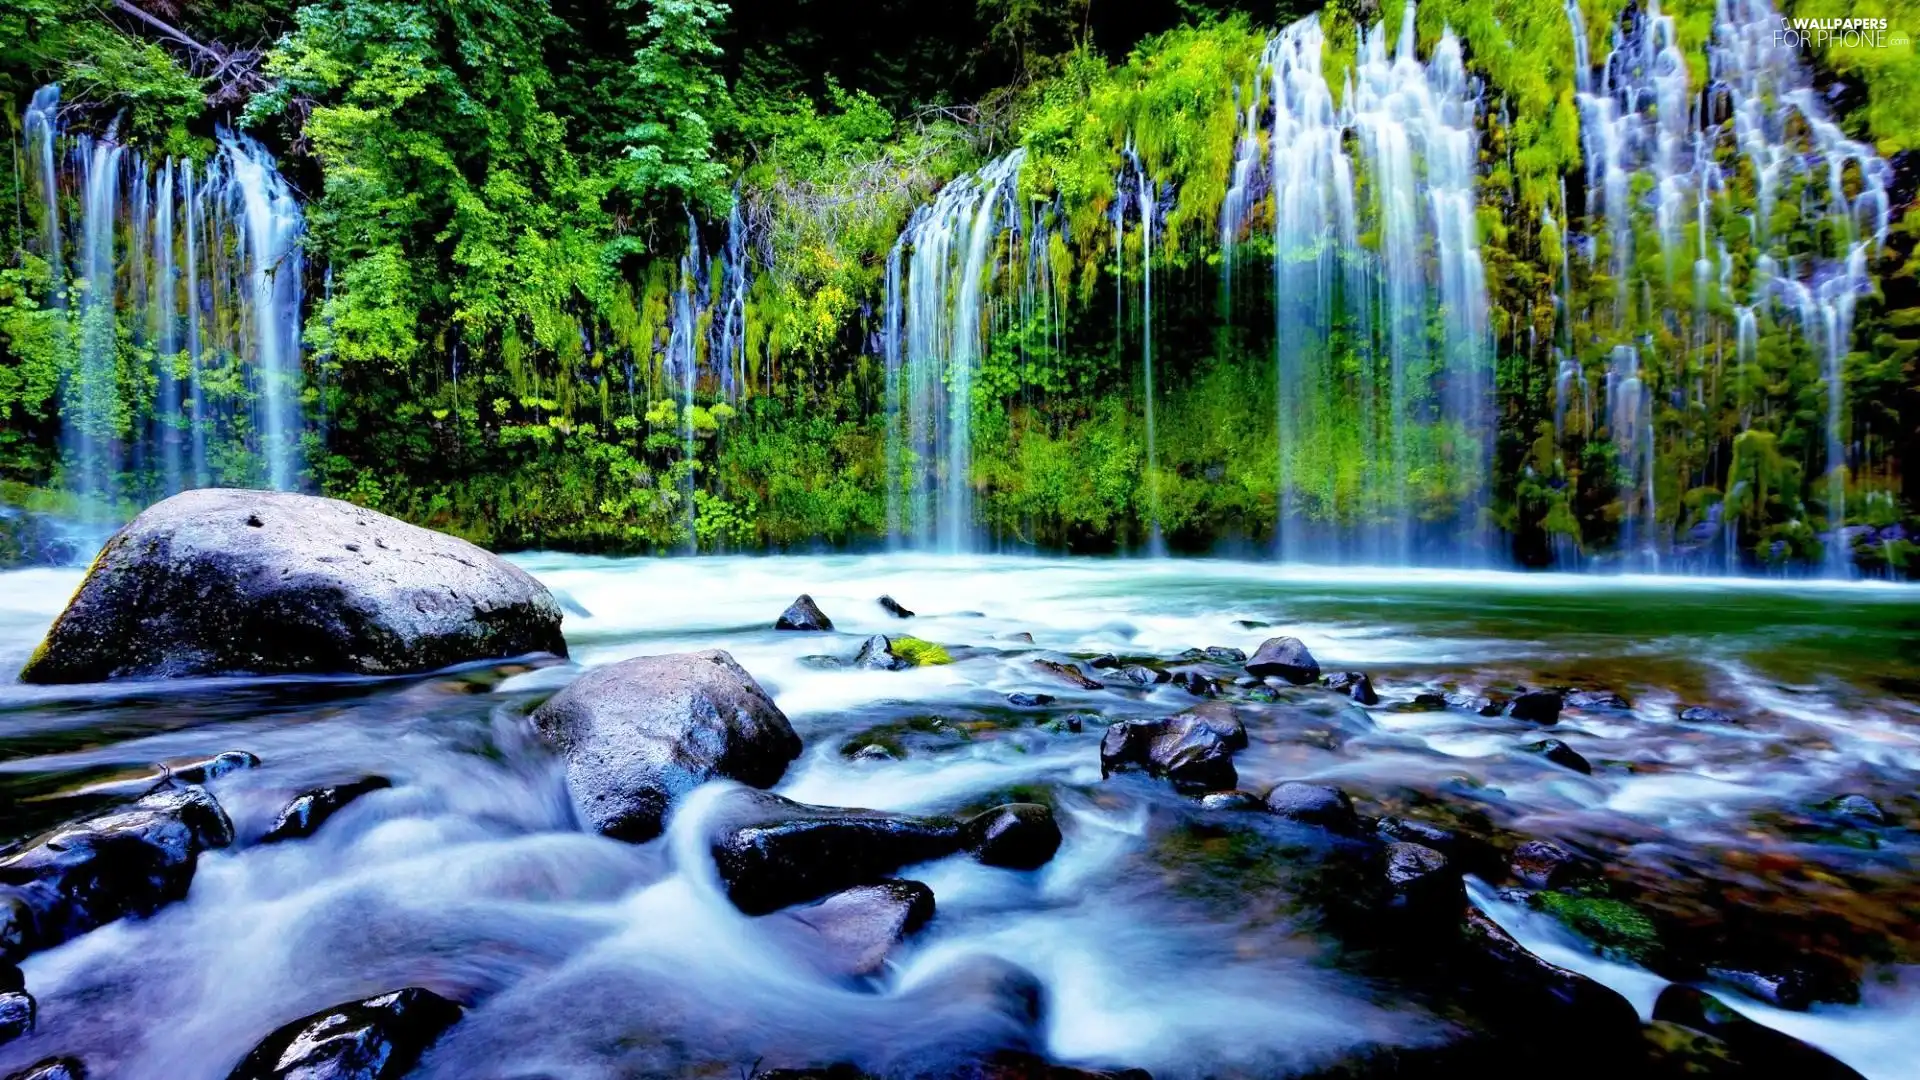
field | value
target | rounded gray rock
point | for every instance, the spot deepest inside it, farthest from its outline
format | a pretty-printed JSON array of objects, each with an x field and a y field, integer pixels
[
  {"x": 219, "y": 581},
  {"x": 639, "y": 734}
]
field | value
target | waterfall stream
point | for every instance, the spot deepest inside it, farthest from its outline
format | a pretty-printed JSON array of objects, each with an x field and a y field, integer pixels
[{"x": 136, "y": 247}]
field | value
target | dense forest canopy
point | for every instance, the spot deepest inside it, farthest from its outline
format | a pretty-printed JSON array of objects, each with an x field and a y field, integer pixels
[{"x": 632, "y": 276}]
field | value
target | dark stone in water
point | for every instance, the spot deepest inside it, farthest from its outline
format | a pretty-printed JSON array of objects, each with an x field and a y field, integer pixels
[
  {"x": 1701, "y": 714},
  {"x": 1414, "y": 831},
  {"x": 639, "y": 734},
  {"x": 1354, "y": 684},
  {"x": 213, "y": 768},
  {"x": 1139, "y": 675},
  {"x": 803, "y": 614},
  {"x": 1018, "y": 836},
  {"x": 377, "y": 1039},
  {"x": 1022, "y": 637},
  {"x": 1194, "y": 749},
  {"x": 128, "y": 862},
  {"x": 1763, "y": 1050},
  {"x": 873, "y": 752},
  {"x": 1561, "y": 754},
  {"x": 217, "y": 581},
  {"x": 895, "y": 608},
  {"x": 1430, "y": 700},
  {"x": 1224, "y": 654},
  {"x": 11, "y": 980},
  {"x": 1067, "y": 673},
  {"x": 52, "y": 1069},
  {"x": 773, "y": 852},
  {"x": 304, "y": 815},
  {"x": 1232, "y": 800},
  {"x": 1028, "y": 701},
  {"x": 1251, "y": 624},
  {"x": 1858, "y": 809},
  {"x": 1536, "y": 707},
  {"x": 1105, "y": 661},
  {"x": 1422, "y": 881},
  {"x": 877, "y": 653},
  {"x": 1314, "y": 804},
  {"x": 1597, "y": 700},
  {"x": 1197, "y": 683},
  {"x": 1536, "y": 989},
  {"x": 17, "y": 1014},
  {"x": 854, "y": 930},
  {"x": 1787, "y": 986},
  {"x": 1287, "y": 658},
  {"x": 1544, "y": 864}
]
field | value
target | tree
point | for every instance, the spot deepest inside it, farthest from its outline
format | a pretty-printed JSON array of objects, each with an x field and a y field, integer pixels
[{"x": 675, "y": 95}]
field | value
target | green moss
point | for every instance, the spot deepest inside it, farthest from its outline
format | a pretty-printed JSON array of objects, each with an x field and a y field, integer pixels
[
  {"x": 920, "y": 653},
  {"x": 1613, "y": 925}
]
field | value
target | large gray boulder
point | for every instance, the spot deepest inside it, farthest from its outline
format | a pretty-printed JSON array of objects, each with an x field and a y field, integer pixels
[
  {"x": 641, "y": 733},
  {"x": 221, "y": 581}
]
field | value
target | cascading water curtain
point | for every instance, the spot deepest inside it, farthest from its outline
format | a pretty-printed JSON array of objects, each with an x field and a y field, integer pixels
[
  {"x": 181, "y": 283},
  {"x": 1645, "y": 126},
  {"x": 1385, "y": 435}
]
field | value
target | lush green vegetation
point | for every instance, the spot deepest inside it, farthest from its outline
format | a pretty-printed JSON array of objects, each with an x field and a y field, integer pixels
[{"x": 502, "y": 194}]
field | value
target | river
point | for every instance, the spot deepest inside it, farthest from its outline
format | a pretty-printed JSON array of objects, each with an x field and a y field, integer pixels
[{"x": 1166, "y": 937}]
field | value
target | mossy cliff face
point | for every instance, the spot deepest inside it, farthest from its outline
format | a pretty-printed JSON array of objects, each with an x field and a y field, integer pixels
[{"x": 504, "y": 350}]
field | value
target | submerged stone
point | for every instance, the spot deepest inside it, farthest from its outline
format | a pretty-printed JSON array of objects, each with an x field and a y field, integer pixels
[
  {"x": 1355, "y": 684},
  {"x": 1560, "y": 754},
  {"x": 377, "y": 1039},
  {"x": 1067, "y": 673},
  {"x": 306, "y": 813},
  {"x": 803, "y": 614},
  {"x": 895, "y": 608}
]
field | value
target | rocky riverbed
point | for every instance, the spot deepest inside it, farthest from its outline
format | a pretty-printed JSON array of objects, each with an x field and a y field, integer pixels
[{"x": 1027, "y": 817}]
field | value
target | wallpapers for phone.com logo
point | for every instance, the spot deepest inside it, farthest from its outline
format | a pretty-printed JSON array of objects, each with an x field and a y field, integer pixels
[{"x": 1841, "y": 33}]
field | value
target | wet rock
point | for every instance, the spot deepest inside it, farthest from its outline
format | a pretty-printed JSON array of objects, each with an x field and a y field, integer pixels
[
  {"x": 1138, "y": 675},
  {"x": 1354, "y": 684},
  {"x": 1858, "y": 809},
  {"x": 213, "y": 768},
  {"x": 772, "y": 852},
  {"x": 1561, "y": 754},
  {"x": 127, "y": 862},
  {"x": 52, "y": 1069},
  {"x": 1429, "y": 699},
  {"x": 639, "y": 734},
  {"x": 1544, "y": 864},
  {"x": 1105, "y": 661},
  {"x": 873, "y": 752},
  {"x": 11, "y": 979},
  {"x": 305, "y": 814},
  {"x": 1029, "y": 701},
  {"x": 895, "y": 608},
  {"x": 877, "y": 653},
  {"x": 854, "y": 930},
  {"x": 377, "y": 1039},
  {"x": 1023, "y": 1066},
  {"x": 1194, "y": 749},
  {"x": 1017, "y": 836},
  {"x": 1224, "y": 654},
  {"x": 1537, "y": 989},
  {"x": 1248, "y": 682},
  {"x": 1232, "y": 800},
  {"x": 1701, "y": 714},
  {"x": 1422, "y": 880},
  {"x": 1067, "y": 673},
  {"x": 217, "y": 581},
  {"x": 1022, "y": 637},
  {"x": 1763, "y": 1050},
  {"x": 1597, "y": 701},
  {"x": 1314, "y": 804},
  {"x": 1787, "y": 986},
  {"x": 17, "y": 1014},
  {"x": 1414, "y": 831},
  {"x": 1070, "y": 724},
  {"x": 1287, "y": 658},
  {"x": 822, "y": 662},
  {"x": 1197, "y": 683},
  {"x": 1536, "y": 707},
  {"x": 803, "y": 614}
]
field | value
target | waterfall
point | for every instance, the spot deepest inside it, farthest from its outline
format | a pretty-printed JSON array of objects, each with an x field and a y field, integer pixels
[
  {"x": 1429, "y": 415},
  {"x": 683, "y": 361},
  {"x": 1643, "y": 119},
  {"x": 938, "y": 314},
  {"x": 156, "y": 245},
  {"x": 730, "y": 321},
  {"x": 1146, "y": 201}
]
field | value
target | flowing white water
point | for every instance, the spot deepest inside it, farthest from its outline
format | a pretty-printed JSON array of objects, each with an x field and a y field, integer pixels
[
  {"x": 215, "y": 247},
  {"x": 580, "y": 956}
]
